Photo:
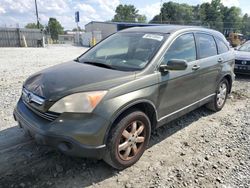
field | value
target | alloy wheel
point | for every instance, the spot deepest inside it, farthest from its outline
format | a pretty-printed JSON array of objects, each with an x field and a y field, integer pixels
[
  {"x": 221, "y": 95},
  {"x": 131, "y": 140}
]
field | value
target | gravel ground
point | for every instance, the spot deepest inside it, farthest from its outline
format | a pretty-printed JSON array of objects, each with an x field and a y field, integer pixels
[
  {"x": 17, "y": 64},
  {"x": 201, "y": 149}
]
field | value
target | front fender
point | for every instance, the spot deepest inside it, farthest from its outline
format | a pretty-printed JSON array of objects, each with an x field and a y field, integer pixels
[{"x": 112, "y": 108}]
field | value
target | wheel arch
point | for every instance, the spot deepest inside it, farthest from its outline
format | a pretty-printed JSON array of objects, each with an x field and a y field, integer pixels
[
  {"x": 229, "y": 79},
  {"x": 143, "y": 105}
]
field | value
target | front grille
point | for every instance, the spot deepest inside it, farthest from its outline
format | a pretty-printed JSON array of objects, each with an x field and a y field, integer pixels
[
  {"x": 46, "y": 115},
  {"x": 239, "y": 62}
]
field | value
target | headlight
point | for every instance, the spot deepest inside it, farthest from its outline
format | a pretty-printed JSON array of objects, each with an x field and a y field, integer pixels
[{"x": 78, "y": 102}]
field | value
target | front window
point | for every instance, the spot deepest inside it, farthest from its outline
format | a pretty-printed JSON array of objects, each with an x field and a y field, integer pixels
[
  {"x": 182, "y": 48},
  {"x": 245, "y": 47},
  {"x": 124, "y": 51}
]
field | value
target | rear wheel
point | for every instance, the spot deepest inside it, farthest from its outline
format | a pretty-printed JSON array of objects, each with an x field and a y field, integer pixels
[
  {"x": 220, "y": 98},
  {"x": 128, "y": 140}
]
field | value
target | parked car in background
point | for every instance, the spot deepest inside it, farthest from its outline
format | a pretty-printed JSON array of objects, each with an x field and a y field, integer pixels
[
  {"x": 106, "y": 102},
  {"x": 235, "y": 39},
  {"x": 242, "y": 59}
]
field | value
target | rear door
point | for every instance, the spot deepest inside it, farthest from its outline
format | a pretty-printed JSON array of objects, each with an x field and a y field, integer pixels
[
  {"x": 209, "y": 64},
  {"x": 178, "y": 89}
]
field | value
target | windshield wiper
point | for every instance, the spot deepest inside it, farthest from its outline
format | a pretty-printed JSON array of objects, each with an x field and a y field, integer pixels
[{"x": 99, "y": 64}]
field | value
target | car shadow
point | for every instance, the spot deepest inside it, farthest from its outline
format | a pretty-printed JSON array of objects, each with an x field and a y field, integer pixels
[
  {"x": 242, "y": 77},
  {"x": 42, "y": 166}
]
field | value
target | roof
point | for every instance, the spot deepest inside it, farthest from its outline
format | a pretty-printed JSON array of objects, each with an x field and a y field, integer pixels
[
  {"x": 174, "y": 28},
  {"x": 160, "y": 28},
  {"x": 122, "y": 23}
]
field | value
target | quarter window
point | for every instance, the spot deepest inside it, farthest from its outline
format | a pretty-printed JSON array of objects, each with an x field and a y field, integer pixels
[
  {"x": 206, "y": 45},
  {"x": 182, "y": 48},
  {"x": 222, "y": 47}
]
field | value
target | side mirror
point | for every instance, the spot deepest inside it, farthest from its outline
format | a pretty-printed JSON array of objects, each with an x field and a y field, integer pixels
[{"x": 173, "y": 64}]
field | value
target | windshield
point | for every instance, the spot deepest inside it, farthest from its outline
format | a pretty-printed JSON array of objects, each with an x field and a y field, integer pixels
[
  {"x": 245, "y": 47},
  {"x": 124, "y": 51}
]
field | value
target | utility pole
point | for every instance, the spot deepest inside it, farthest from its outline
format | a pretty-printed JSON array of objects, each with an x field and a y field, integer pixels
[
  {"x": 77, "y": 19},
  {"x": 37, "y": 19}
]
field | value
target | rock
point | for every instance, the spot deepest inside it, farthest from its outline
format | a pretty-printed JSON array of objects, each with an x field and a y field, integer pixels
[
  {"x": 200, "y": 174},
  {"x": 83, "y": 165},
  {"x": 242, "y": 162},
  {"x": 182, "y": 153},
  {"x": 206, "y": 157},
  {"x": 186, "y": 144},
  {"x": 178, "y": 175},
  {"x": 230, "y": 96},
  {"x": 151, "y": 169},
  {"x": 214, "y": 166},
  {"x": 128, "y": 185},
  {"x": 218, "y": 179},
  {"x": 69, "y": 172},
  {"x": 22, "y": 185},
  {"x": 59, "y": 168},
  {"x": 228, "y": 155},
  {"x": 49, "y": 183},
  {"x": 185, "y": 184}
]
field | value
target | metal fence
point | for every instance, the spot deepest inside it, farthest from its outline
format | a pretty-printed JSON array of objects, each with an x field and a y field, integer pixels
[{"x": 19, "y": 37}]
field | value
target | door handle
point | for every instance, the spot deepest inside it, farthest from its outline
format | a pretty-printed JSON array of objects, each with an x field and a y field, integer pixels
[
  {"x": 220, "y": 60},
  {"x": 195, "y": 67}
]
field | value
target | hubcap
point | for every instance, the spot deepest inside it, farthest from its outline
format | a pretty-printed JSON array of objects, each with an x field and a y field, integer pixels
[
  {"x": 131, "y": 141},
  {"x": 221, "y": 95}
]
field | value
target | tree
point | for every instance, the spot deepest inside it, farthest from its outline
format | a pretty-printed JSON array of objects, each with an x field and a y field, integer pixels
[
  {"x": 34, "y": 26},
  {"x": 174, "y": 13},
  {"x": 211, "y": 14},
  {"x": 54, "y": 28},
  {"x": 246, "y": 25},
  {"x": 128, "y": 13},
  {"x": 141, "y": 18},
  {"x": 232, "y": 19}
]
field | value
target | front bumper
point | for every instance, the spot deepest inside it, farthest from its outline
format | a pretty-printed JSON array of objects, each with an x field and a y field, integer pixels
[
  {"x": 73, "y": 134},
  {"x": 242, "y": 69}
]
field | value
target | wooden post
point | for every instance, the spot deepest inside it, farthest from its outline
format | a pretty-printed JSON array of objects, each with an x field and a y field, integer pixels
[{"x": 24, "y": 41}]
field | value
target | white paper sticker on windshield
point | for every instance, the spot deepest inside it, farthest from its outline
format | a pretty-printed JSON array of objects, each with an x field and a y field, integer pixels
[{"x": 153, "y": 36}]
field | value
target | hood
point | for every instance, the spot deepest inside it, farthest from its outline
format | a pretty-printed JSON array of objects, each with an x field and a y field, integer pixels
[
  {"x": 71, "y": 77},
  {"x": 241, "y": 55}
]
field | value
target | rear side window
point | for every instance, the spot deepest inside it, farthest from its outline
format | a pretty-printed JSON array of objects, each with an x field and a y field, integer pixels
[
  {"x": 222, "y": 47},
  {"x": 206, "y": 45},
  {"x": 182, "y": 48}
]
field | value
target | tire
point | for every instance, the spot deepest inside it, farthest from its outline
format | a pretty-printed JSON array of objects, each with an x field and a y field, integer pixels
[
  {"x": 128, "y": 140},
  {"x": 220, "y": 98}
]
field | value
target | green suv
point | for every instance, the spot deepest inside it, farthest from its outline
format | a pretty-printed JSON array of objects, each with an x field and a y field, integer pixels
[{"x": 105, "y": 103}]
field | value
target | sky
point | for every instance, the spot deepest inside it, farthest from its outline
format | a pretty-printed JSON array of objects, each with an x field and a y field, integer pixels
[{"x": 21, "y": 12}]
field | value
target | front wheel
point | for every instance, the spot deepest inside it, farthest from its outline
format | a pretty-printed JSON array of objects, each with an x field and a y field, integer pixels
[
  {"x": 220, "y": 98},
  {"x": 128, "y": 140}
]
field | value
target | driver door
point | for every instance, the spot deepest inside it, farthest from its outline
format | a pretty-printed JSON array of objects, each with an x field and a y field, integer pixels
[{"x": 179, "y": 88}]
